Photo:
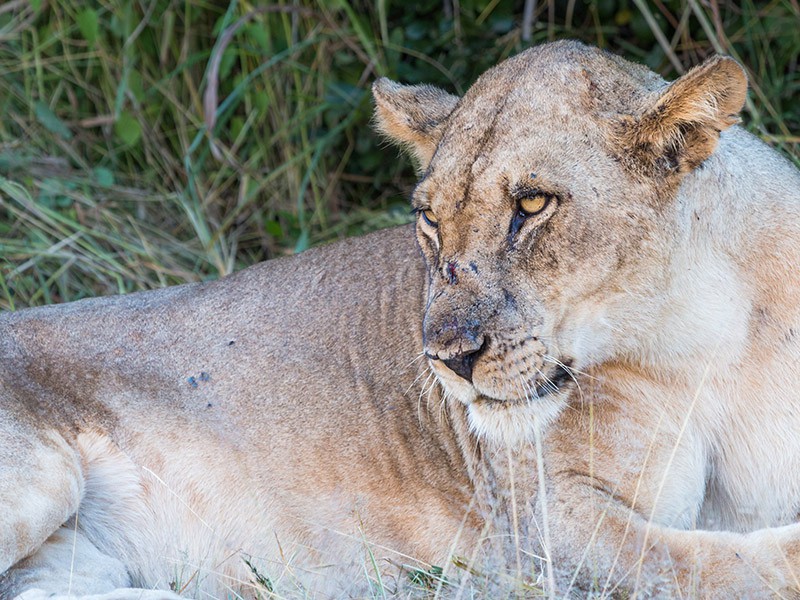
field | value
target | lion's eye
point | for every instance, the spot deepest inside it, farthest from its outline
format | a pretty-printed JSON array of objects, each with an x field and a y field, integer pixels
[
  {"x": 533, "y": 205},
  {"x": 429, "y": 217}
]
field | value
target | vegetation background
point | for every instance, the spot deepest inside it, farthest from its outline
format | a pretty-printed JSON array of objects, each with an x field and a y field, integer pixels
[{"x": 151, "y": 142}]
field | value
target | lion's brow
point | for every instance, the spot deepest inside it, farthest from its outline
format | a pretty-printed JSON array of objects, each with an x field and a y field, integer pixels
[{"x": 419, "y": 197}]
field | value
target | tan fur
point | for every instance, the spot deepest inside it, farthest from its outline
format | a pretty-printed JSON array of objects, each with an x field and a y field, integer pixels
[
  {"x": 285, "y": 417},
  {"x": 641, "y": 329},
  {"x": 413, "y": 114},
  {"x": 272, "y": 417}
]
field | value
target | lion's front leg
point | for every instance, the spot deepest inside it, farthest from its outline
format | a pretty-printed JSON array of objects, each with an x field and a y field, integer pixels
[
  {"x": 609, "y": 541},
  {"x": 626, "y": 485}
]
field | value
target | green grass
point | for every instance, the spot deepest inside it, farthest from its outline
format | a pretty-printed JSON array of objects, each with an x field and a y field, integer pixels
[{"x": 116, "y": 178}]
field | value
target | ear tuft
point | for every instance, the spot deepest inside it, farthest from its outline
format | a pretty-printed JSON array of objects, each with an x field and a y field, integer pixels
[
  {"x": 412, "y": 115},
  {"x": 681, "y": 129}
]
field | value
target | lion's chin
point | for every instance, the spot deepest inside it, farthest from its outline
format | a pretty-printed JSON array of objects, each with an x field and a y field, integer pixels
[
  {"x": 514, "y": 423},
  {"x": 499, "y": 418}
]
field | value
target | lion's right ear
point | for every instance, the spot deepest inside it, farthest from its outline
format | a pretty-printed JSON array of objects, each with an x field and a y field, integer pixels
[
  {"x": 681, "y": 129},
  {"x": 412, "y": 115}
]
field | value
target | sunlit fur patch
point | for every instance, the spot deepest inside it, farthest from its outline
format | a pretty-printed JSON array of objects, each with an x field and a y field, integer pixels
[{"x": 514, "y": 423}]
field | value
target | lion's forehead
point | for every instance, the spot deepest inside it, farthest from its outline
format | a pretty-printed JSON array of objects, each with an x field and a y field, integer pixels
[
  {"x": 508, "y": 139},
  {"x": 556, "y": 79},
  {"x": 542, "y": 153},
  {"x": 541, "y": 118}
]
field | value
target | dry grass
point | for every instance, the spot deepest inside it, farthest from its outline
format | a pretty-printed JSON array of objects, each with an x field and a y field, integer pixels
[{"x": 150, "y": 143}]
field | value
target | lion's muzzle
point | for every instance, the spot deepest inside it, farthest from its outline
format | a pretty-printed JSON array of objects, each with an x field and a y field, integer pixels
[{"x": 454, "y": 338}]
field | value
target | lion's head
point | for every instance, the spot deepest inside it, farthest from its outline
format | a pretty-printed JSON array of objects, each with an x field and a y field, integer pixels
[{"x": 548, "y": 212}]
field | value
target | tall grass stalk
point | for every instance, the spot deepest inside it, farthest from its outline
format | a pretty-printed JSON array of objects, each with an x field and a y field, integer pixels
[{"x": 148, "y": 144}]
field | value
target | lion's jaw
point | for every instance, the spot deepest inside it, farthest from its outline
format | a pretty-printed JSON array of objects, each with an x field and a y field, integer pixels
[
  {"x": 511, "y": 419},
  {"x": 550, "y": 218}
]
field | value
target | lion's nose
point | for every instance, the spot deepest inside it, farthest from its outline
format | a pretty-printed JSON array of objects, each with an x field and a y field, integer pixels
[{"x": 462, "y": 364}]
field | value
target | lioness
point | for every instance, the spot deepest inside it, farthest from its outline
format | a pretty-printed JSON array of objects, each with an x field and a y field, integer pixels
[{"x": 609, "y": 310}]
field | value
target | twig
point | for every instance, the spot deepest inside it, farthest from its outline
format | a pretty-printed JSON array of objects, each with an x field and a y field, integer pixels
[
  {"x": 210, "y": 97},
  {"x": 527, "y": 19},
  {"x": 659, "y": 35}
]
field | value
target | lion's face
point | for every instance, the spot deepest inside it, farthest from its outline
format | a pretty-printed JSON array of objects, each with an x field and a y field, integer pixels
[{"x": 546, "y": 215}]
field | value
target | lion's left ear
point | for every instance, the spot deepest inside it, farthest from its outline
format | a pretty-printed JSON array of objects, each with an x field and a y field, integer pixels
[
  {"x": 681, "y": 129},
  {"x": 412, "y": 116}
]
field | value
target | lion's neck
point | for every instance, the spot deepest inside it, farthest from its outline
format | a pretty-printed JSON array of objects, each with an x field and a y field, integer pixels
[
  {"x": 721, "y": 340},
  {"x": 505, "y": 495},
  {"x": 729, "y": 294}
]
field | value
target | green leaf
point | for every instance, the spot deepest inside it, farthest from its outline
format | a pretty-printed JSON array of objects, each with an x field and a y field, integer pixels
[
  {"x": 261, "y": 102},
  {"x": 87, "y": 23},
  {"x": 237, "y": 123},
  {"x": 103, "y": 177},
  {"x": 48, "y": 118},
  {"x": 274, "y": 229},
  {"x": 257, "y": 33},
  {"x": 63, "y": 201},
  {"x": 135, "y": 84},
  {"x": 36, "y": 5},
  {"x": 127, "y": 128}
]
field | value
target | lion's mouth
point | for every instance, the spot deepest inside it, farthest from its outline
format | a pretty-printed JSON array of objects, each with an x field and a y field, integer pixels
[
  {"x": 554, "y": 382},
  {"x": 547, "y": 385}
]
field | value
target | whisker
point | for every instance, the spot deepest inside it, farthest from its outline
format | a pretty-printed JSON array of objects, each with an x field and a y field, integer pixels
[
  {"x": 572, "y": 374},
  {"x": 572, "y": 371},
  {"x": 528, "y": 389},
  {"x": 417, "y": 378},
  {"x": 433, "y": 385},
  {"x": 416, "y": 358},
  {"x": 548, "y": 383},
  {"x": 422, "y": 393},
  {"x": 443, "y": 405}
]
